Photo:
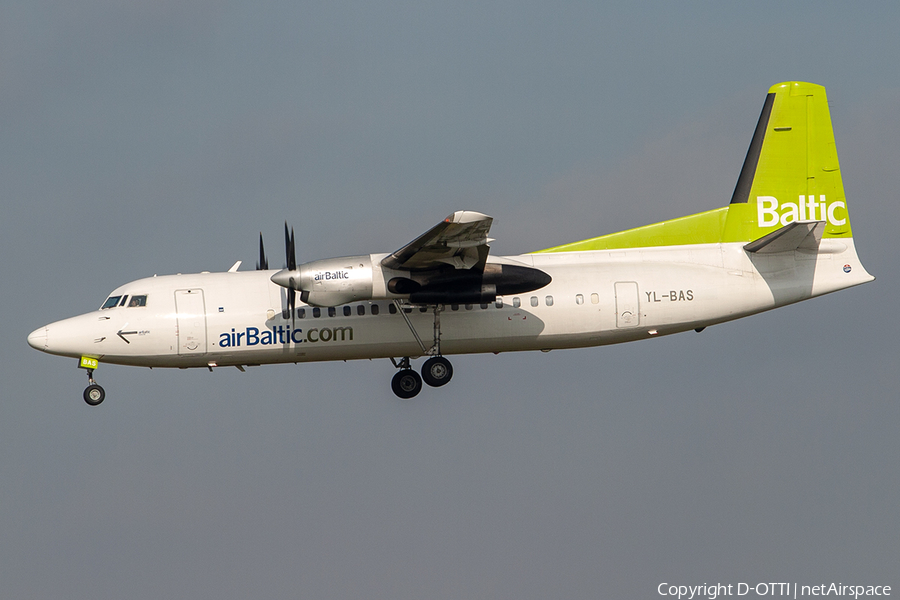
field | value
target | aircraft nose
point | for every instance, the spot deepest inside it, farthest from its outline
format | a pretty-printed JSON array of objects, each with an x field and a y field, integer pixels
[{"x": 37, "y": 339}]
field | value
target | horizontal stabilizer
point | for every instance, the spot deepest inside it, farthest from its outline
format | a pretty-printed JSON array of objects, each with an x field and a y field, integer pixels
[{"x": 793, "y": 236}]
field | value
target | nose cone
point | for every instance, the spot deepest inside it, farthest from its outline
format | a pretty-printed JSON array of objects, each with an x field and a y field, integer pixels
[
  {"x": 37, "y": 339},
  {"x": 285, "y": 278},
  {"x": 75, "y": 337}
]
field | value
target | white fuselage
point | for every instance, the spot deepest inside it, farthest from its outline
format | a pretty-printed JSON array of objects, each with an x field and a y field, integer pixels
[{"x": 595, "y": 298}]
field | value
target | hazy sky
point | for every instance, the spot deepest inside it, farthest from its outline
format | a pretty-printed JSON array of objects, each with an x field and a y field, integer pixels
[{"x": 161, "y": 137}]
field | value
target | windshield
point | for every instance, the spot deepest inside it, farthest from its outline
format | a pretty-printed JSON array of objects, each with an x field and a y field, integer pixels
[
  {"x": 111, "y": 302},
  {"x": 133, "y": 301}
]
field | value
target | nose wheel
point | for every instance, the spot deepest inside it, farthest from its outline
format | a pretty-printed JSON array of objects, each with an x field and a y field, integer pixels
[{"x": 93, "y": 393}]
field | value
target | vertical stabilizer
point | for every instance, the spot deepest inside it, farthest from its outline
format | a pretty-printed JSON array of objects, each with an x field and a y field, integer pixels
[{"x": 791, "y": 172}]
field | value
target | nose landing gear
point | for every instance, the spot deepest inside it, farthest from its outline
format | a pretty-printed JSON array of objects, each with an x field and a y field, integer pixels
[{"x": 93, "y": 393}]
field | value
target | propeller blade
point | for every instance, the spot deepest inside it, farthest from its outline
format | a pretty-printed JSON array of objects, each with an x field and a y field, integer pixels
[
  {"x": 263, "y": 264},
  {"x": 292, "y": 302},
  {"x": 290, "y": 259},
  {"x": 293, "y": 252},
  {"x": 287, "y": 245},
  {"x": 290, "y": 255}
]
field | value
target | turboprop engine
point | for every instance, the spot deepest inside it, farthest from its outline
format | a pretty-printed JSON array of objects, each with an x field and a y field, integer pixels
[
  {"x": 434, "y": 278},
  {"x": 331, "y": 281}
]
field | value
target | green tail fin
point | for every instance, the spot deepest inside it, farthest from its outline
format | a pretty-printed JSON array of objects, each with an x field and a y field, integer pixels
[{"x": 791, "y": 172}]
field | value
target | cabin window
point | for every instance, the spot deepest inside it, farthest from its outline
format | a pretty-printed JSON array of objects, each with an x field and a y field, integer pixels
[
  {"x": 317, "y": 312},
  {"x": 579, "y": 299},
  {"x": 534, "y": 300},
  {"x": 595, "y": 298},
  {"x": 361, "y": 309},
  {"x": 549, "y": 300},
  {"x": 516, "y": 302},
  {"x": 392, "y": 308},
  {"x": 469, "y": 307},
  {"x": 347, "y": 311},
  {"x": 301, "y": 313},
  {"x": 484, "y": 306},
  {"x": 331, "y": 311},
  {"x": 374, "y": 309},
  {"x": 111, "y": 302},
  {"x": 423, "y": 309},
  {"x": 498, "y": 302},
  {"x": 454, "y": 307}
]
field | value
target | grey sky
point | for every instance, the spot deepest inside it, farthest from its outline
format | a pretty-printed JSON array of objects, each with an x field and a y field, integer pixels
[{"x": 162, "y": 138}]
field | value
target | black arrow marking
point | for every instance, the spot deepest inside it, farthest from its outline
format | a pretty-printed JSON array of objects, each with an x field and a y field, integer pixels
[{"x": 122, "y": 335}]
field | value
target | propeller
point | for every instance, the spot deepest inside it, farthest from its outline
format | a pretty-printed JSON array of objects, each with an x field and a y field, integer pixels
[
  {"x": 263, "y": 263},
  {"x": 291, "y": 265},
  {"x": 290, "y": 260}
]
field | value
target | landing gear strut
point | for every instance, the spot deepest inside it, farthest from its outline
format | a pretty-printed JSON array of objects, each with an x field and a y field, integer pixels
[
  {"x": 93, "y": 393},
  {"x": 436, "y": 371}
]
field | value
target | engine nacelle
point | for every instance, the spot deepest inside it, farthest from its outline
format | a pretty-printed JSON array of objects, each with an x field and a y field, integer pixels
[
  {"x": 330, "y": 282},
  {"x": 336, "y": 281}
]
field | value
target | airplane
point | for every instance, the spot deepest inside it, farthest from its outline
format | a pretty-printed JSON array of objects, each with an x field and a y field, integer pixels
[{"x": 784, "y": 237}]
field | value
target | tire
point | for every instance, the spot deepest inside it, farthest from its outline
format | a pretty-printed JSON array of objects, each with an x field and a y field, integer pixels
[
  {"x": 94, "y": 394},
  {"x": 437, "y": 371},
  {"x": 406, "y": 383}
]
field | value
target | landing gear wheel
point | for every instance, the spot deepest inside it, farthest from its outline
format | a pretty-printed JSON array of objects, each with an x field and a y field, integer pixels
[
  {"x": 437, "y": 371},
  {"x": 406, "y": 383},
  {"x": 94, "y": 394}
]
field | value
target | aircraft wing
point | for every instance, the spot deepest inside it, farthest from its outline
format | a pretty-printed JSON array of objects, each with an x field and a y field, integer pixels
[{"x": 460, "y": 241}]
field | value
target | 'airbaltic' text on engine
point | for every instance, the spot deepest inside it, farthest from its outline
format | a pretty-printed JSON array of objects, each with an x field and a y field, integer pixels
[{"x": 329, "y": 275}]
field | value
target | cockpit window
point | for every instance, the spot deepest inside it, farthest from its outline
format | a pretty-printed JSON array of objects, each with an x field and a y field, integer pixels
[
  {"x": 111, "y": 302},
  {"x": 138, "y": 301}
]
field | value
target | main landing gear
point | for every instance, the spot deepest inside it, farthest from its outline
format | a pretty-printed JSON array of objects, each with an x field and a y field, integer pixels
[
  {"x": 406, "y": 383},
  {"x": 436, "y": 371},
  {"x": 93, "y": 393}
]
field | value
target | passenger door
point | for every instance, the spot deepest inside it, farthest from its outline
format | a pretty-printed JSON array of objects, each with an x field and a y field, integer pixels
[
  {"x": 628, "y": 312},
  {"x": 191, "y": 315}
]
